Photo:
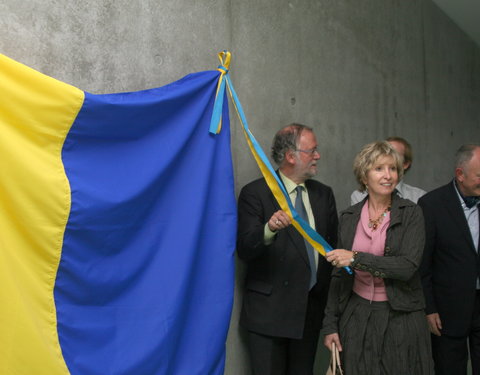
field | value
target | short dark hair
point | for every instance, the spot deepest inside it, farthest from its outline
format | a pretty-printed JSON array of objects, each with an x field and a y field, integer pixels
[
  {"x": 408, "y": 157},
  {"x": 287, "y": 139},
  {"x": 464, "y": 154}
]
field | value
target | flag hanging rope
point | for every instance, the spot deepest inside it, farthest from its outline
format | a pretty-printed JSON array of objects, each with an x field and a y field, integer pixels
[{"x": 271, "y": 177}]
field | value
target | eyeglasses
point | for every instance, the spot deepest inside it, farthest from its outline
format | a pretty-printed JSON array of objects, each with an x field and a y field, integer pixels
[{"x": 310, "y": 152}]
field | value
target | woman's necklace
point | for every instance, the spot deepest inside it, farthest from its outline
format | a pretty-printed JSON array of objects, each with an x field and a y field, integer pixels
[{"x": 374, "y": 224}]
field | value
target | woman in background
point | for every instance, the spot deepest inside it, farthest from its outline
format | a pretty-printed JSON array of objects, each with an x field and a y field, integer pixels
[{"x": 375, "y": 316}]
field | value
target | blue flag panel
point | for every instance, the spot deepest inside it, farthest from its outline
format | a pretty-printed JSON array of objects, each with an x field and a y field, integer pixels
[{"x": 145, "y": 280}]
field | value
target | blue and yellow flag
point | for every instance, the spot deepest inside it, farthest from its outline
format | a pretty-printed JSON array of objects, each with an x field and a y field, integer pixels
[{"x": 117, "y": 228}]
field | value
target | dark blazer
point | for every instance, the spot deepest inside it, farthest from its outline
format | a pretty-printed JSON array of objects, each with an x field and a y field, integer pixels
[
  {"x": 398, "y": 267},
  {"x": 277, "y": 279},
  {"x": 450, "y": 264}
]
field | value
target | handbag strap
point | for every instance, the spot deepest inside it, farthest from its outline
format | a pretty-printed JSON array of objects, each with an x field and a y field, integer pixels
[{"x": 335, "y": 362}]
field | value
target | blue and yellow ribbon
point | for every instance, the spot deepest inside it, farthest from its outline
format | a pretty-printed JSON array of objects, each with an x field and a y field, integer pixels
[
  {"x": 216, "y": 123},
  {"x": 271, "y": 177}
]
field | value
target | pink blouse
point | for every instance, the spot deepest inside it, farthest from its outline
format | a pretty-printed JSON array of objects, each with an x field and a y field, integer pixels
[{"x": 367, "y": 241}]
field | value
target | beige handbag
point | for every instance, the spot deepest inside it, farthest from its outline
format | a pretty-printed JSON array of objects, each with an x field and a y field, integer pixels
[{"x": 335, "y": 368}]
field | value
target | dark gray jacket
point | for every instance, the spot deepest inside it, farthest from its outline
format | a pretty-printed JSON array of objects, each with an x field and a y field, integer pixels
[{"x": 398, "y": 267}]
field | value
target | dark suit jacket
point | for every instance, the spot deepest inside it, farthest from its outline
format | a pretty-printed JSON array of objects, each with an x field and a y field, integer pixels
[
  {"x": 277, "y": 280},
  {"x": 450, "y": 264}
]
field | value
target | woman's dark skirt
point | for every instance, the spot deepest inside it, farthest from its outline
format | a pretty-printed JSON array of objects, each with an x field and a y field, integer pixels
[{"x": 378, "y": 341}]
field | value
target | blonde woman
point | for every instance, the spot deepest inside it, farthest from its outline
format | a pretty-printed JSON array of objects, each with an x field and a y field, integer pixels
[{"x": 376, "y": 315}]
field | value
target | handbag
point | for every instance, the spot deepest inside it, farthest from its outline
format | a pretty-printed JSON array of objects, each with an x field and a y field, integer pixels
[{"x": 335, "y": 367}]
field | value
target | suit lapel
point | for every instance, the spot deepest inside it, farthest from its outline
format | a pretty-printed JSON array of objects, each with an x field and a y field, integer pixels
[
  {"x": 351, "y": 217},
  {"x": 315, "y": 203},
  {"x": 299, "y": 243},
  {"x": 454, "y": 209}
]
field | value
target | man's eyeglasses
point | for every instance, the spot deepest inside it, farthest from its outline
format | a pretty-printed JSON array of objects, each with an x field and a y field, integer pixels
[{"x": 310, "y": 152}]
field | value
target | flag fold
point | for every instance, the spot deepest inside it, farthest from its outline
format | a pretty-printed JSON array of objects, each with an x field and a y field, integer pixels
[{"x": 117, "y": 228}]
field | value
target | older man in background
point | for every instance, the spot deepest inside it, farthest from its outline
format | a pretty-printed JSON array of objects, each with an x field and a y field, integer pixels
[{"x": 451, "y": 266}]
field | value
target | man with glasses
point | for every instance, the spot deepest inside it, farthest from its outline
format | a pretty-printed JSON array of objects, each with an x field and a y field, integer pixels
[{"x": 287, "y": 281}]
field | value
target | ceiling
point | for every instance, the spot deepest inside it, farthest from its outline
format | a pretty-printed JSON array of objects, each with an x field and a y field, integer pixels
[{"x": 465, "y": 13}]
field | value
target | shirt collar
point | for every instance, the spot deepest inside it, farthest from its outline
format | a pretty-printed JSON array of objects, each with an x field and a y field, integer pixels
[
  {"x": 399, "y": 188},
  {"x": 462, "y": 199},
  {"x": 290, "y": 186}
]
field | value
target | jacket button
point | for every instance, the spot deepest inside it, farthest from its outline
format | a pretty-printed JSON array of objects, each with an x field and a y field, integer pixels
[{"x": 387, "y": 249}]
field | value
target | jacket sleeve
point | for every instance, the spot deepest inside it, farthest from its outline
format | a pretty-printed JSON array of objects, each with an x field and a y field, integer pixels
[
  {"x": 403, "y": 249},
  {"x": 428, "y": 253},
  {"x": 332, "y": 235},
  {"x": 251, "y": 224},
  {"x": 333, "y": 309}
]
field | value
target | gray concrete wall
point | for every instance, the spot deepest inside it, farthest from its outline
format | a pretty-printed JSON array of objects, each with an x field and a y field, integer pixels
[{"x": 355, "y": 71}]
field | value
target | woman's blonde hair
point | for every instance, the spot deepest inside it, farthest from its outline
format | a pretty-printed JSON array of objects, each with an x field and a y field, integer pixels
[{"x": 369, "y": 155}]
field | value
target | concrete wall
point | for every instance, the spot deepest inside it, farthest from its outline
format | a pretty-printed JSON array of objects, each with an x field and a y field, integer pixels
[{"x": 355, "y": 71}]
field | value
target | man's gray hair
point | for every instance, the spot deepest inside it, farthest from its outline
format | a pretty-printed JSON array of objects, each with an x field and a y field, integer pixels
[
  {"x": 464, "y": 154},
  {"x": 287, "y": 139}
]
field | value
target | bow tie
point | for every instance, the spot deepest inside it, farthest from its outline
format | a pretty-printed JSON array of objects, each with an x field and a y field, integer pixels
[{"x": 471, "y": 201}]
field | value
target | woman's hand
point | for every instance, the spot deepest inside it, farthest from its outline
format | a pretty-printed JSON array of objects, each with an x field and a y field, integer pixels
[
  {"x": 333, "y": 337},
  {"x": 340, "y": 257}
]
